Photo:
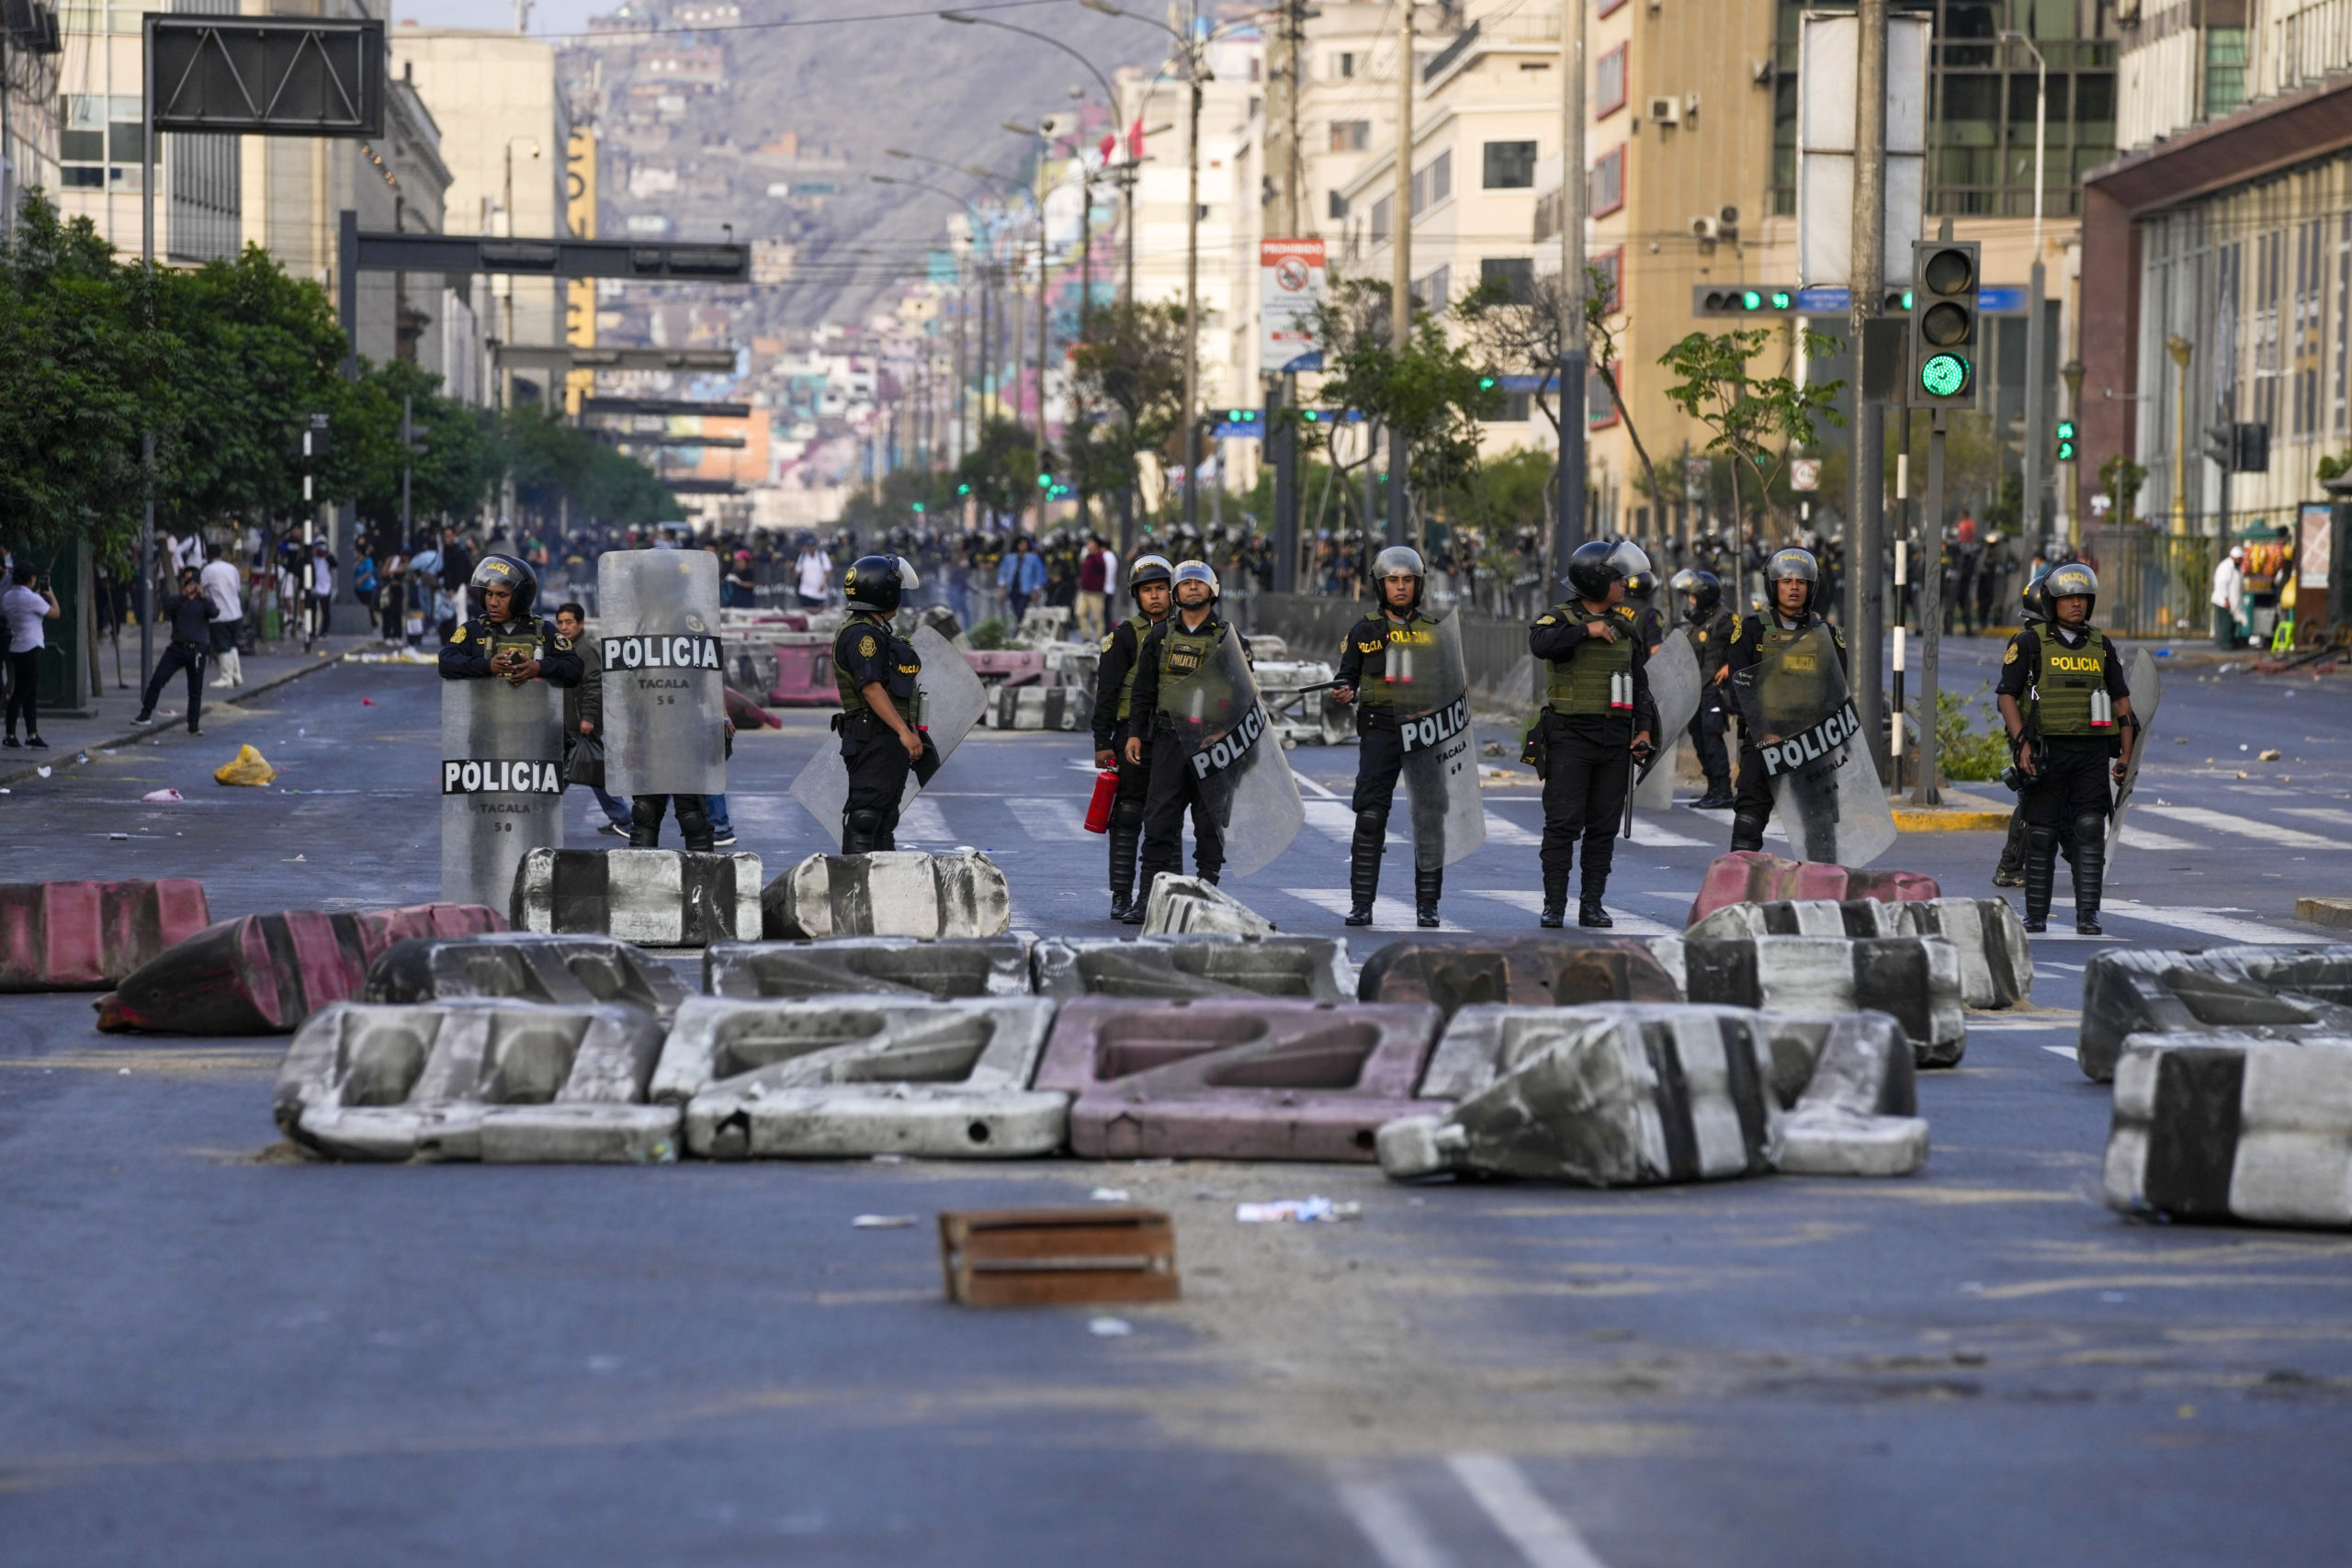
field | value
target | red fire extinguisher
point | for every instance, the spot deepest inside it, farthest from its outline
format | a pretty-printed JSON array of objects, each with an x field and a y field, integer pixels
[{"x": 1098, "y": 810}]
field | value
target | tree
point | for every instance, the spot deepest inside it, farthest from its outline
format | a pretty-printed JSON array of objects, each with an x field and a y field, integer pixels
[
  {"x": 1430, "y": 391},
  {"x": 456, "y": 460},
  {"x": 1757, "y": 423},
  {"x": 2121, "y": 478},
  {"x": 1001, "y": 467},
  {"x": 554, "y": 465},
  {"x": 1129, "y": 374}
]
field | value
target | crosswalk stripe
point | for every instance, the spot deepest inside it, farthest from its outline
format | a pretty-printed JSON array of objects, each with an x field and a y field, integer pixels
[
  {"x": 1501, "y": 830},
  {"x": 2205, "y": 922},
  {"x": 1395, "y": 1532},
  {"x": 1051, "y": 818},
  {"x": 2269, "y": 832},
  {"x": 2149, "y": 838},
  {"x": 1542, "y": 1537},
  {"x": 1387, "y": 914},
  {"x": 922, "y": 823},
  {"x": 1628, "y": 924},
  {"x": 2332, "y": 815}
]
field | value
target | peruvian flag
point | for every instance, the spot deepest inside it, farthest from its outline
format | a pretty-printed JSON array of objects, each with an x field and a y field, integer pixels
[{"x": 1134, "y": 141}]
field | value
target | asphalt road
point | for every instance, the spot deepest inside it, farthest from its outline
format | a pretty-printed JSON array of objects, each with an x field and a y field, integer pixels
[{"x": 211, "y": 1352}]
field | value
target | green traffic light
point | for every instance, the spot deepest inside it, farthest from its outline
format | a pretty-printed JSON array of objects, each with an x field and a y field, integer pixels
[
  {"x": 1751, "y": 300},
  {"x": 1782, "y": 299},
  {"x": 1906, "y": 298},
  {"x": 1485, "y": 383},
  {"x": 918, "y": 508},
  {"x": 963, "y": 489},
  {"x": 1944, "y": 374},
  {"x": 1044, "y": 482}
]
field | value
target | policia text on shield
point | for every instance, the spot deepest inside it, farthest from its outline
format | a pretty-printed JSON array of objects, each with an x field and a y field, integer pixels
[{"x": 1597, "y": 720}]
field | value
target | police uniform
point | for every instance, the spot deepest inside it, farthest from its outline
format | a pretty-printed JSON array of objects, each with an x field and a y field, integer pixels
[
  {"x": 1755, "y": 638},
  {"x": 1169, "y": 654},
  {"x": 1595, "y": 698},
  {"x": 1710, "y": 637},
  {"x": 1114, "y": 721},
  {"x": 1380, "y": 754},
  {"x": 867, "y": 652},
  {"x": 467, "y": 655},
  {"x": 2066, "y": 683}
]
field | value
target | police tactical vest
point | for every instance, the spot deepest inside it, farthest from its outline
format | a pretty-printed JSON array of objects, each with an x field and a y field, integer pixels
[
  {"x": 1597, "y": 680},
  {"x": 903, "y": 663},
  {"x": 2070, "y": 684},
  {"x": 1141, "y": 626},
  {"x": 1373, "y": 637},
  {"x": 1182, "y": 655}
]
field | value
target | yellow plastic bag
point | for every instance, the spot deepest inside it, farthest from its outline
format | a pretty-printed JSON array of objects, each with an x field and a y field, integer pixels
[{"x": 247, "y": 767}]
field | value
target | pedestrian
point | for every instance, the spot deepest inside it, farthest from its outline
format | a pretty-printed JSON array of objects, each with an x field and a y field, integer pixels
[
  {"x": 1790, "y": 577},
  {"x": 1377, "y": 669},
  {"x": 1093, "y": 587},
  {"x": 2229, "y": 589},
  {"x": 363, "y": 575},
  {"x": 584, "y": 719},
  {"x": 812, "y": 574},
  {"x": 743, "y": 592},
  {"x": 1148, "y": 582},
  {"x": 2080, "y": 728},
  {"x": 1020, "y": 574},
  {"x": 1712, "y": 625},
  {"x": 28, "y": 602},
  {"x": 875, "y": 670},
  {"x": 220, "y": 579},
  {"x": 1597, "y": 721},
  {"x": 319, "y": 585},
  {"x": 190, "y": 618},
  {"x": 1174, "y": 649}
]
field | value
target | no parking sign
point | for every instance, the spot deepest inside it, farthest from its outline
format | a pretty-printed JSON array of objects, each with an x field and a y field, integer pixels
[{"x": 1290, "y": 290}]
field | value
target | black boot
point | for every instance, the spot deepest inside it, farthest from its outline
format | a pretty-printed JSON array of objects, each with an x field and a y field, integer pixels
[
  {"x": 2090, "y": 872},
  {"x": 1142, "y": 903},
  {"x": 2010, "y": 872},
  {"x": 1363, "y": 865},
  {"x": 694, "y": 824},
  {"x": 1590, "y": 913},
  {"x": 1427, "y": 884},
  {"x": 2041, "y": 871},
  {"x": 1555, "y": 902},
  {"x": 645, "y": 820},
  {"x": 1748, "y": 829},
  {"x": 1718, "y": 796},
  {"x": 859, "y": 830},
  {"x": 1126, "y": 838}
]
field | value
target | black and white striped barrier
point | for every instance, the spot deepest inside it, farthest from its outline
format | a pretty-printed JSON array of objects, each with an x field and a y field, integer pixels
[
  {"x": 1916, "y": 978},
  {"x": 1995, "y": 960},
  {"x": 2228, "y": 1126},
  {"x": 653, "y": 897},
  {"x": 890, "y": 893},
  {"x": 2275, "y": 993},
  {"x": 1182, "y": 906}
]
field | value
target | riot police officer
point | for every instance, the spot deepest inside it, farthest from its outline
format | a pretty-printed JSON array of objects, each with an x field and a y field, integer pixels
[
  {"x": 1399, "y": 623},
  {"x": 874, "y": 669},
  {"x": 2080, "y": 731},
  {"x": 1598, "y": 720},
  {"x": 503, "y": 639},
  {"x": 1649, "y": 621},
  {"x": 1701, "y": 595},
  {"x": 1791, "y": 579},
  {"x": 2034, "y": 610},
  {"x": 1149, "y": 580},
  {"x": 1176, "y": 648}
]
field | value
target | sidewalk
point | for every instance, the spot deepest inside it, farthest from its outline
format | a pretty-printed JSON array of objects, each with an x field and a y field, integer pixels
[{"x": 115, "y": 708}]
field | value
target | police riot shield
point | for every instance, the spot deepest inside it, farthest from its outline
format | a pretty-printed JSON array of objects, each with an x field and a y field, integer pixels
[
  {"x": 2140, "y": 674},
  {"x": 949, "y": 702},
  {"x": 665, "y": 673},
  {"x": 501, "y": 781},
  {"x": 1674, "y": 682},
  {"x": 1441, "y": 751},
  {"x": 1224, "y": 734},
  {"x": 1801, "y": 716}
]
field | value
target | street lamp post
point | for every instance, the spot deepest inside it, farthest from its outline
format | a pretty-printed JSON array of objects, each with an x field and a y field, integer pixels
[{"x": 2037, "y": 411}]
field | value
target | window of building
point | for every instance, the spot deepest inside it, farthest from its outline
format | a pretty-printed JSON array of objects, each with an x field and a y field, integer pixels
[
  {"x": 2225, "y": 63},
  {"x": 1511, "y": 165},
  {"x": 1507, "y": 277},
  {"x": 1600, "y": 403},
  {"x": 98, "y": 143},
  {"x": 1607, "y": 7},
  {"x": 1434, "y": 289},
  {"x": 1609, "y": 83},
  {"x": 1605, "y": 187},
  {"x": 1611, "y": 264},
  {"x": 1339, "y": 205},
  {"x": 1343, "y": 64},
  {"x": 1432, "y": 182},
  {"x": 1351, "y": 135},
  {"x": 1383, "y": 219},
  {"x": 1515, "y": 410}
]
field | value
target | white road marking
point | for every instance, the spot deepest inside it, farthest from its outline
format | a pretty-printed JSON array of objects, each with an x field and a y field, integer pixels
[
  {"x": 1397, "y": 1536},
  {"x": 2136, "y": 837},
  {"x": 1387, "y": 914},
  {"x": 1333, "y": 819},
  {"x": 2333, "y": 815},
  {"x": 1501, "y": 830},
  {"x": 2067, "y": 1051},
  {"x": 2205, "y": 922},
  {"x": 1051, "y": 818},
  {"x": 1543, "y": 1538},
  {"x": 1979, "y": 1024},
  {"x": 2245, "y": 827},
  {"x": 1320, "y": 791},
  {"x": 1628, "y": 923},
  {"x": 922, "y": 823},
  {"x": 1650, "y": 833}
]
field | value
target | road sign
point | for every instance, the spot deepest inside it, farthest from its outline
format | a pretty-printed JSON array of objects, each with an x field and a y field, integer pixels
[
  {"x": 1290, "y": 291},
  {"x": 1804, "y": 473}
]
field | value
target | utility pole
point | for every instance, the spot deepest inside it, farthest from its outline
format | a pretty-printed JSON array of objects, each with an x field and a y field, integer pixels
[
  {"x": 1191, "y": 423},
  {"x": 2037, "y": 397},
  {"x": 1400, "y": 263},
  {"x": 1866, "y": 525},
  {"x": 1569, "y": 519},
  {"x": 1043, "y": 310},
  {"x": 1929, "y": 598}
]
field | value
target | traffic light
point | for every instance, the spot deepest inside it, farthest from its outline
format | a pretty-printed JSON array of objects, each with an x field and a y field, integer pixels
[
  {"x": 1485, "y": 383},
  {"x": 1044, "y": 482},
  {"x": 2251, "y": 447},
  {"x": 963, "y": 489},
  {"x": 1943, "y": 324},
  {"x": 918, "y": 508},
  {"x": 1764, "y": 300},
  {"x": 2066, "y": 444},
  {"x": 2222, "y": 446}
]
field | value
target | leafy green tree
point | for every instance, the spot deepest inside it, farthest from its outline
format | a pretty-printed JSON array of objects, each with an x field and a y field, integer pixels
[
  {"x": 555, "y": 466},
  {"x": 458, "y": 460},
  {"x": 1001, "y": 467},
  {"x": 2121, "y": 478},
  {"x": 1128, "y": 376},
  {"x": 1756, "y": 420},
  {"x": 1432, "y": 390}
]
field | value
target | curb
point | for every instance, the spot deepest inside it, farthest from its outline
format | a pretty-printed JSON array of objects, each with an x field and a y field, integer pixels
[
  {"x": 1907, "y": 821},
  {"x": 2336, "y": 912},
  {"x": 317, "y": 663}
]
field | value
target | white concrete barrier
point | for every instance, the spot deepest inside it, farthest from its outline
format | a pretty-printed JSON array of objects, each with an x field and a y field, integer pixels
[
  {"x": 653, "y": 897},
  {"x": 1186, "y": 905},
  {"x": 1995, "y": 960},
  {"x": 2229, "y": 1127},
  {"x": 890, "y": 893},
  {"x": 1916, "y": 978}
]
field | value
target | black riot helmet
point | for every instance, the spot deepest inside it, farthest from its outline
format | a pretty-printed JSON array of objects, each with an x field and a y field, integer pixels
[
  {"x": 2036, "y": 600},
  {"x": 878, "y": 583},
  {"x": 1597, "y": 563},
  {"x": 1701, "y": 590},
  {"x": 510, "y": 572},
  {"x": 1789, "y": 563},
  {"x": 1389, "y": 563},
  {"x": 1149, "y": 568},
  {"x": 2069, "y": 579}
]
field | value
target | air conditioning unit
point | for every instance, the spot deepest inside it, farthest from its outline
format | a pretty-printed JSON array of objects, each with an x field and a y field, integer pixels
[
  {"x": 1665, "y": 111},
  {"x": 1707, "y": 228}
]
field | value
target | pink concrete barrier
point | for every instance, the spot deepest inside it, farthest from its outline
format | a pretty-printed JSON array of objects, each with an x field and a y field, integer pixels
[
  {"x": 85, "y": 936},
  {"x": 1751, "y": 877}
]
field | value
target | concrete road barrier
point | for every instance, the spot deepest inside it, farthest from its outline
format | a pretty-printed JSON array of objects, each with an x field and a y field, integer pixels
[
  {"x": 2227, "y": 1125},
  {"x": 1182, "y": 905},
  {"x": 266, "y": 974},
  {"x": 1751, "y": 877},
  {"x": 804, "y": 673},
  {"x": 1600, "y": 1097},
  {"x": 1995, "y": 960},
  {"x": 1003, "y": 667},
  {"x": 525, "y": 966},
  {"x": 943, "y": 970},
  {"x": 496, "y": 1081},
  {"x": 1917, "y": 979},
  {"x": 1562, "y": 971},
  {"x": 1231, "y": 1080},
  {"x": 1308, "y": 968},
  {"x": 653, "y": 897},
  {"x": 2272, "y": 993},
  {"x": 86, "y": 936},
  {"x": 888, "y": 892},
  {"x": 1062, "y": 708},
  {"x": 844, "y": 1077}
]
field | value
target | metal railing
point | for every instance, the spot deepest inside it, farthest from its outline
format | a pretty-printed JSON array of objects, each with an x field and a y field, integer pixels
[{"x": 2152, "y": 584}]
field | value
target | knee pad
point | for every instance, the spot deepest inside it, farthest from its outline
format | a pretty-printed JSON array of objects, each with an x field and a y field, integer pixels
[
  {"x": 2041, "y": 841},
  {"x": 2090, "y": 831},
  {"x": 1372, "y": 824},
  {"x": 859, "y": 832},
  {"x": 1127, "y": 814}
]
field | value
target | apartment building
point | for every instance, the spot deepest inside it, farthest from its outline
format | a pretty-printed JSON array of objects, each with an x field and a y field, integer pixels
[{"x": 30, "y": 45}]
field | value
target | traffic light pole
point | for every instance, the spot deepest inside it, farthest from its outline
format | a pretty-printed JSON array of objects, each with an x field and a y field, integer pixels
[
  {"x": 1929, "y": 598},
  {"x": 1864, "y": 608},
  {"x": 1282, "y": 433}
]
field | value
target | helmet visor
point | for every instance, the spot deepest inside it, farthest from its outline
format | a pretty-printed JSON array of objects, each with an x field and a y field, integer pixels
[{"x": 1627, "y": 559}]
